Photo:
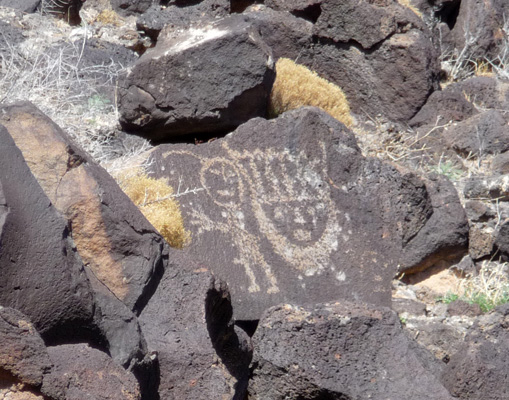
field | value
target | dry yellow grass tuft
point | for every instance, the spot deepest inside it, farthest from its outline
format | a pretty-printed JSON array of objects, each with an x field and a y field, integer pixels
[
  {"x": 154, "y": 198},
  {"x": 108, "y": 17},
  {"x": 297, "y": 86},
  {"x": 409, "y": 5}
]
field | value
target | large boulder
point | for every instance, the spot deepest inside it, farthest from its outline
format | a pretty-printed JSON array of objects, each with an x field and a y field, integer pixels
[
  {"x": 339, "y": 351},
  {"x": 124, "y": 256},
  {"x": 112, "y": 237},
  {"x": 82, "y": 372},
  {"x": 355, "y": 45},
  {"x": 188, "y": 324},
  {"x": 42, "y": 275},
  {"x": 478, "y": 370},
  {"x": 23, "y": 355},
  {"x": 207, "y": 79},
  {"x": 446, "y": 232},
  {"x": 288, "y": 210},
  {"x": 27, "y": 6}
]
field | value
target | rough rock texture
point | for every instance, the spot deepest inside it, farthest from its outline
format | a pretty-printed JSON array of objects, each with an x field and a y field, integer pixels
[
  {"x": 130, "y": 7},
  {"x": 478, "y": 23},
  {"x": 339, "y": 351},
  {"x": 445, "y": 235},
  {"x": 502, "y": 240},
  {"x": 42, "y": 276},
  {"x": 482, "y": 134},
  {"x": 478, "y": 370},
  {"x": 207, "y": 79},
  {"x": 23, "y": 355},
  {"x": 112, "y": 237},
  {"x": 188, "y": 324},
  {"x": 355, "y": 45},
  {"x": 288, "y": 210},
  {"x": 28, "y": 6},
  {"x": 81, "y": 372},
  {"x": 444, "y": 106},
  {"x": 181, "y": 15}
]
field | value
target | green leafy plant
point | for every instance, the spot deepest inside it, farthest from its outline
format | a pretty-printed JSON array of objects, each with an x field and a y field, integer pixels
[
  {"x": 449, "y": 169},
  {"x": 99, "y": 102}
]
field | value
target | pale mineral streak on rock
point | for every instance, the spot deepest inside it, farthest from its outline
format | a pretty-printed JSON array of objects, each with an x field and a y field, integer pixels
[{"x": 72, "y": 191}]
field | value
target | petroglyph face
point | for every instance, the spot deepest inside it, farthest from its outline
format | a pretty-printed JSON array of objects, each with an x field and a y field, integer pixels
[{"x": 289, "y": 199}]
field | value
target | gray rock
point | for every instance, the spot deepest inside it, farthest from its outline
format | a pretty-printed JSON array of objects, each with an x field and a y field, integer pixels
[
  {"x": 23, "y": 355},
  {"x": 478, "y": 370},
  {"x": 482, "y": 134},
  {"x": 460, "y": 307},
  {"x": 42, "y": 275},
  {"x": 180, "y": 15},
  {"x": 500, "y": 164},
  {"x": 188, "y": 324},
  {"x": 131, "y": 7},
  {"x": 28, "y": 6},
  {"x": 290, "y": 210},
  {"x": 442, "y": 107},
  {"x": 502, "y": 240},
  {"x": 208, "y": 79},
  {"x": 480, "y": 242},
  {"x": 339, "y": 351},
  {"x": 412, "y": 307},
  {"x": 81, "y": 372}
]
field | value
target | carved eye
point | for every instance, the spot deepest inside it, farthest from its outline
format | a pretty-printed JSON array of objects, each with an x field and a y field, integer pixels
[{"x": 223, "y": 182}]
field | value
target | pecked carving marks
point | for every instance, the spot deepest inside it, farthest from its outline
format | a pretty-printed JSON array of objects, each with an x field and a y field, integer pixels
[{"x": 280, "y": 217}]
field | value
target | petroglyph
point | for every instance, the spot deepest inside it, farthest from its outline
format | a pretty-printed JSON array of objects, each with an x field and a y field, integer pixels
[{"x": 290, "y": 199}]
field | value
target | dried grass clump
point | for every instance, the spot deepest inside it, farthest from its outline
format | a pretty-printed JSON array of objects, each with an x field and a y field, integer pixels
[
  {"x": 409, "y": 5},
  {"x": 155, "y": 199},
  {"x": 297, "y": 86}
]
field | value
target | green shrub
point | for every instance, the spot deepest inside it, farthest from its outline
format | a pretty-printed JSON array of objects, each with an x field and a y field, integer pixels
[{"x": 297, "y": 86}]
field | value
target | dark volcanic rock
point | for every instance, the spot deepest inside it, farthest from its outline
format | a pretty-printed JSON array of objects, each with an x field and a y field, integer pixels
[
  {"x": 445, "y": 235},
  {"x": 355, "y": 45},
  {"x": 288, "y": 210},
  {"x": 188, "y": 324},
  {"x": 112, "y": 237},
  {"x": 500, "y": 164},
  {"x": 502, "y": 240},
  {"x": 477, "y": 25},
  {"x": 130, "y": 7},
  {"x": 339, "y": 351},
  {"x": 207, "y": 79},
  {"x": 23, "y": 355},
  {"x": 485, "y": 133},
  {"x": 124, "y": 255},
  {"x": 478, "y": 370},
  {"x": 42, "y": 276},
  {"x": 442, "y": 107},
  {"x": 181, "y": 15},
  {"x": 81, "y": 372}
]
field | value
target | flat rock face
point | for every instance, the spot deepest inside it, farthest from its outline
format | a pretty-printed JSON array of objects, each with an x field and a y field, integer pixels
[
  {"x": 23, "y": 355},
  {"x": 41, "y": 274},
  {"x": 206, "y": 79},
  {"x": 339, "y": 351},
  {"x": 288, "y": 210},
  {"x": 187, "y": 323},
  {"x": 81, "y": 372},
  {"x": 111, "y": 235}
]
